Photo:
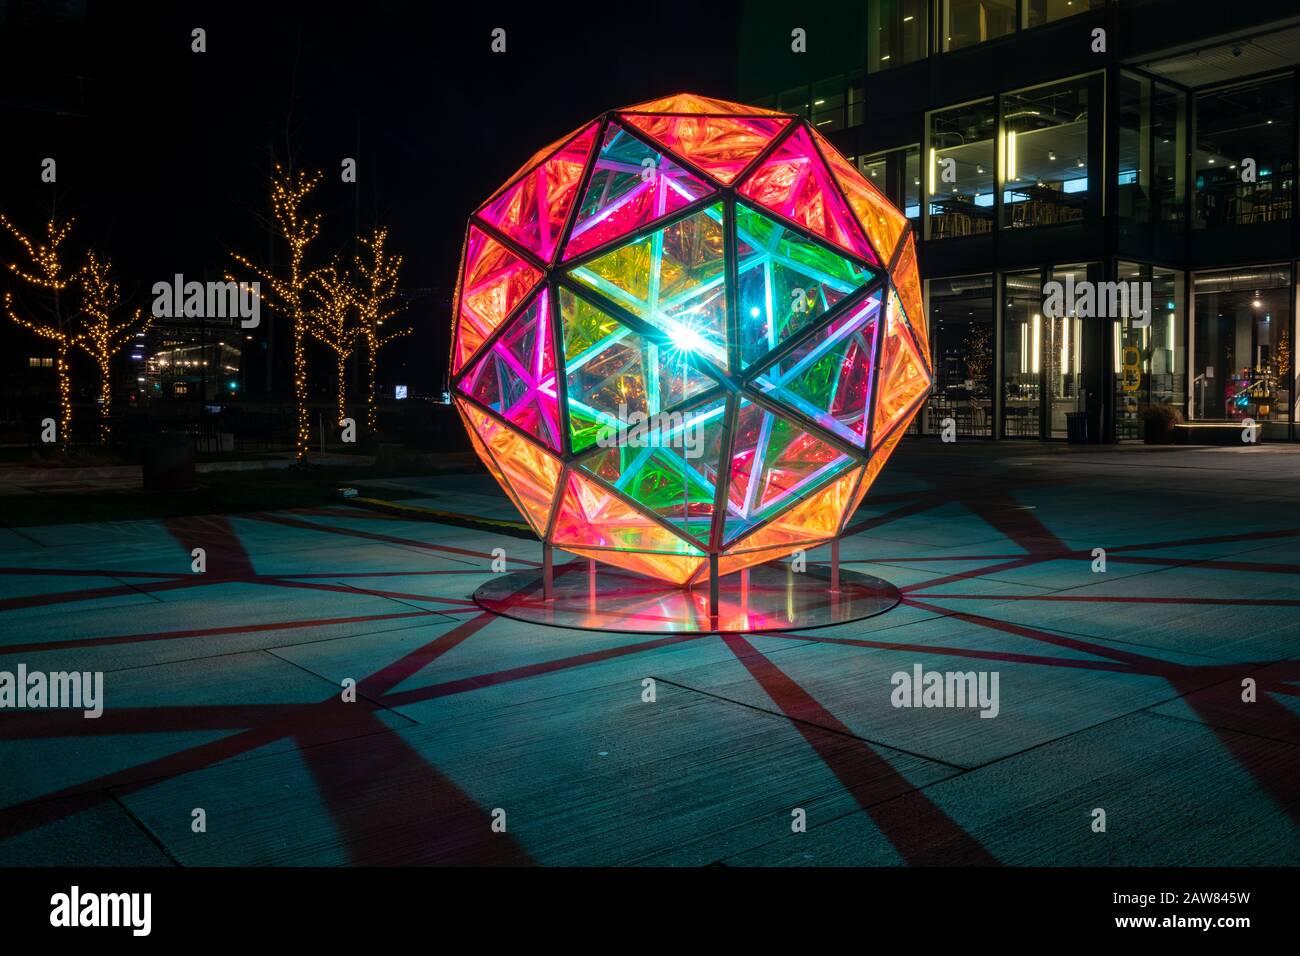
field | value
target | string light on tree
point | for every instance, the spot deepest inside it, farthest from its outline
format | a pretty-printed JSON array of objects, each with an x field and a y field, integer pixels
[
  {"x": 106, "y": 330},
  {"x": 333, "y": 325},
  {"x": 378, "y": 270},
  {"x": 285, "y": 291},
  {"x": 51, "y": 318}
]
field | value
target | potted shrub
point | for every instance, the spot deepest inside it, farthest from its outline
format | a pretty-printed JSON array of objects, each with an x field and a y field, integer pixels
[{"x": 1158, "y": 423}]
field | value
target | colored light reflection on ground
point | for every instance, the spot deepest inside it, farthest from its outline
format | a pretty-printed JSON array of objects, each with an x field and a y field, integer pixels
[{"x": 769, "y": 597}]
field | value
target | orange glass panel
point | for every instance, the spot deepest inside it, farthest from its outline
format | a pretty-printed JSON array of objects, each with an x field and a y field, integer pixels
[
  {"x": 816, "y": 518},
  {"x": 594, "y": 516},
  {"x": 728, "y": 563},
  {"x": 694, "y": 103},
  {"x": 903, "y": 376},
  {"x": 528, "y": 470},
  {"x": 721, "y": 146},
  {"x": 675, "y": 568},
  {"x": 495, "y": 280},
  {"x": 878, "y": 216},
  {"x": 874, "y": 467},
  {"x": 907, "y": 281},
  {"x": 485, "y": 456}
]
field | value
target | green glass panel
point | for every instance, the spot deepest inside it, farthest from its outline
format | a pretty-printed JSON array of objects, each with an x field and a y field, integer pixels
[
  {"x": 613, "y": 372},
  {"x": 674, "y": 279},
  {"x": 775, "y": 463},
  {"x": 787, "y": 281},
  {"x": 669, "y": 465}
]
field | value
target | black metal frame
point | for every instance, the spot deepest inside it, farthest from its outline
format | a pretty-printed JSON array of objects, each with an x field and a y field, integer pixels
[{"x": 733, "y": 384}]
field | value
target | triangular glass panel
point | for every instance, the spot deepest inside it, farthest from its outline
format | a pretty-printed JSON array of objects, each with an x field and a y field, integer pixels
[
  {"x": 534, "y": 210},
  {"x": 795, "y": 183},
  {"x": 722, "y": 146},
  {"x": 631, "y": 186},
  {"x": 907, "y": 282},
  {"x": 494, "y": 281},
  {"x": 828, "y": 376},
  {"x": 592, "y": 515},
  {"x": 774, "y": 462},
  {"x": 667, "y": 464},
  {"x": 904, "y": 380},
  {"x": 787, "y": 281},
  {"x": 879, "y": 456},
  {"x": 881, "y": 219},
  {"x": 516, "y": 376},
  {"x": 530, "y": 473},
  {"x": 675, "y": 280},
  {"x": 816, "y": 518},
  {"x": 675, "y": 568},
  {"x": 613, "y": 372}
]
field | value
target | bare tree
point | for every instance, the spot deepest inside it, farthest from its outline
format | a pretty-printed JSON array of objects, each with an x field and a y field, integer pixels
[
  {"x": 108, "y": 327},
  {"x": 287, "y": 285},
  {"x": 334, "y": 325},
  {"x": 46, "y": 310},
  {"x": 378, "y": 271}
]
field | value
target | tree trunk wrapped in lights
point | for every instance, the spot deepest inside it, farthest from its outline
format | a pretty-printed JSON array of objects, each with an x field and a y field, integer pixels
[
  {"x": 51, "y": 319},
  {"x": 286, "y": 289},
  {"x": 332, "y": 324},
  {"x": 376, "y": 290},
  {"x": 106, "y": 331}
]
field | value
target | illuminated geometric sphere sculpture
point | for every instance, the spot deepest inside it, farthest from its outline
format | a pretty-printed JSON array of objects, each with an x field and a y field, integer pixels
[{"x": 688, "y": 329}]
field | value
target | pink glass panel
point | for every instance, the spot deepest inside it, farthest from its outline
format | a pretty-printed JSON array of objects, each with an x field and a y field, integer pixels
[
  {"x": 794, "y": 182},
  {"x": 533, "y": 211}
]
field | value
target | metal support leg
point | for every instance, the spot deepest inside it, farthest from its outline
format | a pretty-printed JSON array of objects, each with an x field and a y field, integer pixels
[
  {"x": 713, "y": 590},
  {"x": 835, "y": 565},
  {"x": 548, "y": 573}
]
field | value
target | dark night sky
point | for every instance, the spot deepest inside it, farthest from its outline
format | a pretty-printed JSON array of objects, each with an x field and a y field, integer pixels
[{"x": 169, "y": 151}]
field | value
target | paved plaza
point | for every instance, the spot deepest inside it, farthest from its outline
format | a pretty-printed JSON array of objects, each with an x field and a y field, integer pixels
[{"x": 1120, "y": 691}]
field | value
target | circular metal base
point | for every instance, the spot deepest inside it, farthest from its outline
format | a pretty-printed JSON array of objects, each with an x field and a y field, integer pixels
[{"x": 770, "y": 597}]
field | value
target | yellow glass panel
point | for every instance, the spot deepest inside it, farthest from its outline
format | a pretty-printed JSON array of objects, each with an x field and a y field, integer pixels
[
  {"x": 816, "y": 518},
  {"x": 677, "y": 569},
  {"x": 592, "y": 516},
  {"x": 874, "y": 467}
]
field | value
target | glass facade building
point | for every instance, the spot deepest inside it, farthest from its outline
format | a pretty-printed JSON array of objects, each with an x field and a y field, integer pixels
[{"x": 1044, "y": 149}]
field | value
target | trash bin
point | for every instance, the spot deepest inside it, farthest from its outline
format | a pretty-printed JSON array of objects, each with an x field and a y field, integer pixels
[
  {"x": 168, "y": 459},
  {"x": 1076, "y": 428}
]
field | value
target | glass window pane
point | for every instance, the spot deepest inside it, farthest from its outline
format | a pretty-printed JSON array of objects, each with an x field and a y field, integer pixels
[
  {"x": 1038, "y": 12},
  {"x": 897, "y": 174},
  {"x": 968, "y": 22},
  {"x": 1045, "y": 132},
  {"x": 1150, "y": 359},
  {"x": 828, "y": 105},
  {"x": 1134, "y": 180},
  {"x": 961, "y": 330},
  {"x": 1022, "y": 353},
  {"x": 1169, "y": 146},
  {"x": 1250, "y": 121},
  {"x": 896, "y": 33},
  {"x": 1242, "y": 353},
  {"x": 1062, "y": 356},
  {"x": 794, "y": 101},
  {"x": 857, "y": 99},
  {"x": 961, "y": 170}
]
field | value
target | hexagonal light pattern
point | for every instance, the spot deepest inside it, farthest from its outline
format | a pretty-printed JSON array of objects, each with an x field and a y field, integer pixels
[{"x": 689, "y": 328}]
